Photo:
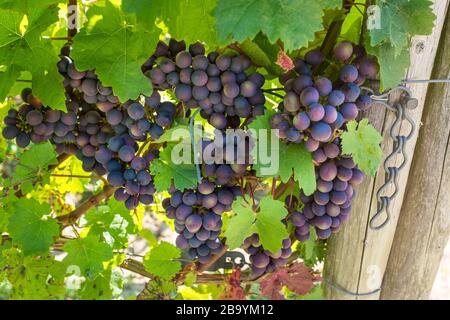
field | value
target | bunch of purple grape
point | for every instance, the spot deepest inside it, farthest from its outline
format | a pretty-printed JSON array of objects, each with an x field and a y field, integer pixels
[
  {"x": 164, "y": 114},
  {"x": 92, "y": 137},
  {"x": 85, "y": 82},
  {"x": 133, "y": 179},
  {"x": 27, "y": 125},
  {"x": 218, "y": 84},
  {"x": 330, "y": 205},
  {"x": 197, "y": 215},
  {"x": 264, "y": 261},
  {"x": 35, "y": 123},
  {"x": 314, "y": 107},
  {"x": 231, "y": 158}
]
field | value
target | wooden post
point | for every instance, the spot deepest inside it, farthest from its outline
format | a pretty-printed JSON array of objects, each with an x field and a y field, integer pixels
[
  {"x": 423, "y": 227},
  {"x": 357, "y": 255}
]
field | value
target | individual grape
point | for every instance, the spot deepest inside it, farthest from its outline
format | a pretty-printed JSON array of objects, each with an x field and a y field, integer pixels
[
  {"x": 328, "y": 171},
  {"x": 336, "y": 98},
  {"x": 114, "y": 117},
  {"x": 199, "y": 78},
  {"x": 368, "y": 68},
  {"x": 34, "y": 117},
  {"x": 297, "y": 219},
  {"x": 331, "y": 150},
  {"x": 183, "y": 92},
  {"x": 351, "y": 92},
  {"x": 291, "y": 102},
  {"x": 323, "y": 86},
  {"x": 324, "y": 186},
  {"x": 314, "y": 57},
  {"x": 181, "y": 242},
  {"x": 301, "y": 121},
  {"x": 311, "y": 145},
  {"x": 193, "y": 223},
  {"x": 248, "y": 89},
  {"x": 260, "y": 260},
  {"x": 348, "y": 73},
  {"x": 126, "y": 153},
  {"x": 223, "y": 62},
  {"x": 218, "y": 120},
  {"x": 116, "y": 179},
  {"x": 357, "y": 177},
  {"x": 309, "y": 95},
  {"x": 321, "y": 131},
  {"x": 322, "y": 223},
  {"x": 330, "y": 114},
  {"x": 231, "y": 90},
  {"x": 323, "y": 234},
  {"x": 349, "y": 111},
  {"x": 364, "y": 102},
  {"x": 10, "y": 132},
  {"x": 316, "y": 112},
  {"x": 121, "y": 195},
  {"x": 343, "y": 51},
  {"x": 200, "y": 62}
]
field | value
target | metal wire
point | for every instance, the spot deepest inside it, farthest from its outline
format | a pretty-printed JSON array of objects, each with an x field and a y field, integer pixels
[{"x": 348, "y": 292}]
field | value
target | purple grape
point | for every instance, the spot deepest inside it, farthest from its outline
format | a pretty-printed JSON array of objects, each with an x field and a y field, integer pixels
[
  {"x": 328, "y": 171},
  {"x": 336, "y": 98},
  {"x": 321, "y": 131},
  {"x": 301, "y": 121},
  {"x": 309, "y": 95},
  {"x": 343, "y": 51},
  {"x": 323, "y": 85},
  {"x": 324, "y": 222},
  {"x": 126, "y": 153},
  {"x": 316, "y": 112},
  {"x": 348, "y": 73}
]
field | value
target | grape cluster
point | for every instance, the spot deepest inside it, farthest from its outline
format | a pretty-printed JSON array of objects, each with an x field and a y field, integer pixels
[
  {"x": 163, "y": 113},
  {"x": 27, "y": 125},
  {"x": 264, "y": 261},
  {"x": 197, "y": 215},
  {"x": 330, "y": 205},
  {"x": 35, "y": 123},
  {"x": 216, "y": 83},
  {"x": 85, "y": 82},
  {"x": 315, "y": 107},
  {"x": 133, "y": 179},
  {"x": 91, "y": 139}
]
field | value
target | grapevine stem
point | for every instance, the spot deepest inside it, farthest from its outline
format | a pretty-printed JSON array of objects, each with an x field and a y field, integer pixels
[
  {"x": 275, "y": 94},
  {"x": 108, "y": 190}
]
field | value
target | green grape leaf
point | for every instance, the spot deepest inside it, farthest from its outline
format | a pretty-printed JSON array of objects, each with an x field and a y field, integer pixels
[
  {"x": 160, "y": 261},
  {"x": 362, "y": 142},
  {"x": 194, "y": 22},
  {"x": 27, "y": 6},
  {"x": 111, "y": 44},
  {"x": 149, "y": 12},
  {"x": 98, "y": 288},
  {"x": 164, "y": 170},
  {"x": 400, "y": 19},
  {"x": 33, "y": 163},
  {"x": 266, "y": 222},
  {"x": 113, "y": 222},
  {"x": 291, "y": 21},
  {"x": 239, "y": 226},
  {"x": 30, "y": 227},
  {"x": 295, "y": 159},
  {"x": 31, "y": 277},
  {"x": 392, "y": 66},
  {"x": 23, "y": 49},
  {"x": 88, "y": 254}
]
